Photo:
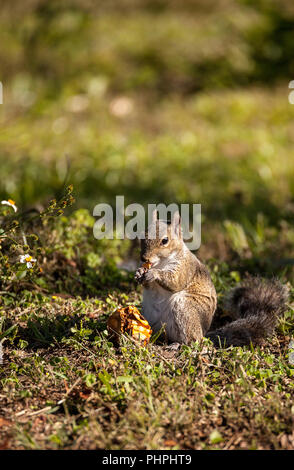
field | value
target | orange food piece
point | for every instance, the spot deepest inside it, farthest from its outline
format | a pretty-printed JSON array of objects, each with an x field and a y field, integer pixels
[
  {"x": 147, "y": 265},
  {"x": 129, "y": 320}
]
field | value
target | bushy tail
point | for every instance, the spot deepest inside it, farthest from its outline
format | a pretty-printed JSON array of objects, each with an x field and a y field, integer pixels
[{"x": 256, "y": 306}]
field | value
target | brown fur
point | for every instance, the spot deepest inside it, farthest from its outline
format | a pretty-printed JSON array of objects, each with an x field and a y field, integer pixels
[
  {"x": 179, "y": 294},
  {"x": 176, "y": 271},
  {"x": 256, "y": 306}
]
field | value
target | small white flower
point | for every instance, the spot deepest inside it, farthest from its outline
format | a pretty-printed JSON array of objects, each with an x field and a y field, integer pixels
[
  {"x": 10, "y": 203},
  {"x": 28, "y": 260}
]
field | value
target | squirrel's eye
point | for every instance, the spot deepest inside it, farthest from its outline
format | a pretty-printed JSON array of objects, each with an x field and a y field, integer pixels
[{"x": 164, "y": 241}]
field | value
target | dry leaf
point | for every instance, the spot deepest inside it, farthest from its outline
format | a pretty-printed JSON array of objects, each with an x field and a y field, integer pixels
[
  {"x": 4, "y": 444},
  {"x": 85, "y": 394},
  {"x": 4, "y": 422},
  {"x": 170, "y": 443}
]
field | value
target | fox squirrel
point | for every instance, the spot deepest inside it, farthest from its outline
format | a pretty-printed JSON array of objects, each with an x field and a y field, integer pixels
[{"x": 179, "y": 295}]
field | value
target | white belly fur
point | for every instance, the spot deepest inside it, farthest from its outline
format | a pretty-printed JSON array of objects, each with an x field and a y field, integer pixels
[{"x": 157, "y": 309}]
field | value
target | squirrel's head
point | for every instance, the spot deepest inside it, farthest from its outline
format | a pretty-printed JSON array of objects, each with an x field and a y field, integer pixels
[{"x": 162, "y": 240}]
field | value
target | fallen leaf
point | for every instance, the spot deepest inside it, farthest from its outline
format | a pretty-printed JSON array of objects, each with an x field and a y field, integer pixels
[
  {"x": 66, "y": 386},
  {"x": 85, "y": 394},
  {"x": 170, "y": 443},
  {"x": 4, "y": 422},
  {"x": 4, "y": 444}
]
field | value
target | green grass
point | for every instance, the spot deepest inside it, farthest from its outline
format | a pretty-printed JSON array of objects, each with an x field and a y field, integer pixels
[
  {"x": 192, "y": 110},
  {"x": 65, "y": 386}
]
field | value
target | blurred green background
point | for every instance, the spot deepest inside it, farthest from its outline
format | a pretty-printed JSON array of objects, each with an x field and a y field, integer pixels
[{"x": 157, "y": 100}]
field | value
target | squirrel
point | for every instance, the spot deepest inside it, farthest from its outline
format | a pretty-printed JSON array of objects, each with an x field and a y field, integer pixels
[{"x": 179, "y": 295}]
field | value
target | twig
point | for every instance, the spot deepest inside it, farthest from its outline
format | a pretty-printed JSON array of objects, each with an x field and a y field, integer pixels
[
  {"x": 4, "y": 292},
  {"x": 69, "y": 391},
  {"x": 228, "y": 444},
  {"x": 48, "y": 408},
  {"x": 20, "y": 413}
]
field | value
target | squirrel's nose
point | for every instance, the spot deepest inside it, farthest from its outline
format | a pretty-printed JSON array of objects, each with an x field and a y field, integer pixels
[{"x": 143, "y": 258}]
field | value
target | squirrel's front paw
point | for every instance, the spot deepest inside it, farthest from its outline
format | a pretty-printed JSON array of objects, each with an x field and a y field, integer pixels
[
  {"x": 139, "y": 275},
  {"x": 144, "y": 276},
  {"x": 150, "y": 275}
]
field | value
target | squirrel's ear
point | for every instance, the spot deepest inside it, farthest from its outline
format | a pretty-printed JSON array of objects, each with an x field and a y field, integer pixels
[
  {"x": 176, "y": 224},
  {"x": 154, "y": 216}
]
